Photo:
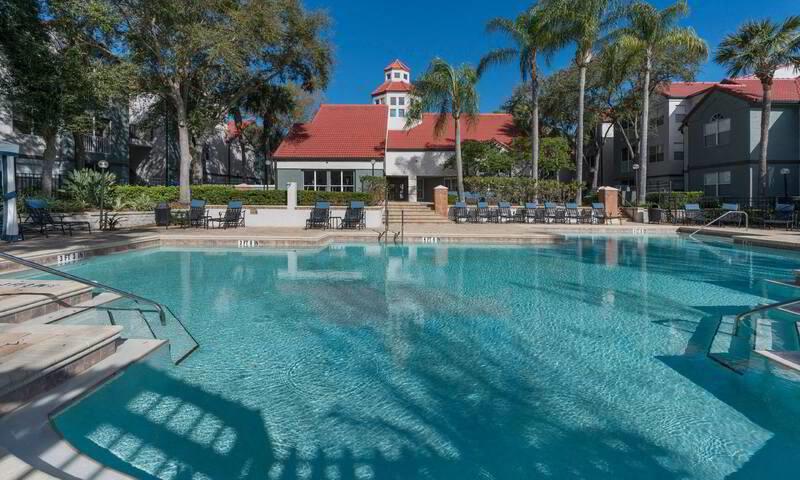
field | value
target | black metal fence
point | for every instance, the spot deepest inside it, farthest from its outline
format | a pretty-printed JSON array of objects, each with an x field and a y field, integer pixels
[{"x": 28, "y": 182}]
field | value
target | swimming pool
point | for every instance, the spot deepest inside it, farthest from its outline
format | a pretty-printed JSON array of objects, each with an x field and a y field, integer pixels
[{"x": 580, "y": 360}]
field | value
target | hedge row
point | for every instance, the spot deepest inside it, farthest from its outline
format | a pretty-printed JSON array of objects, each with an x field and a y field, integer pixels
[
  {"x": 672, "y": 199},
  {"x": 132, "y": 197}
]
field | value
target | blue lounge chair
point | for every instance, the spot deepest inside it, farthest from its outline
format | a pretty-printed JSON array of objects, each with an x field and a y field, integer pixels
[
  {"x": 504, "y": 212},
  {"x": 692, "y": 213},
  {"x": 732, "y": 218},
  {"x": 783, "y": 215},
  {"x": 42, "y": 220},
  {"x": 484, "y": 213},
  {"x": 531, "y": 213},
  {"x": 553, "y": 214},
  {"x": 354, "y": 216},
  {"x": 197, "y": 216},
  {"x": 320, "y": 216},
  {"x": 232, "y": 218},
  {"x": 572, "y": 213},
  {"x": 460, "y": 212}
]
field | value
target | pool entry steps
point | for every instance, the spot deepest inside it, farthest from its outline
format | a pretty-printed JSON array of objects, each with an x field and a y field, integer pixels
[
  {"x": 771, "y": 331},
  {"x": 52, "y": 330}
]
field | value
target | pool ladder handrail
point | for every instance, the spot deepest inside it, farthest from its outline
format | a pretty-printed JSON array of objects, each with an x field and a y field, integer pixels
[
  {"x": 729, "y": 212},
  {"x": 740, "y": 318},
  {"x": 92, "y": 283}
]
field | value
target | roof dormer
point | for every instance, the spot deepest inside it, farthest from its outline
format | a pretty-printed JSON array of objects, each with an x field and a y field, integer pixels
[{"x": 397, "y": 71}]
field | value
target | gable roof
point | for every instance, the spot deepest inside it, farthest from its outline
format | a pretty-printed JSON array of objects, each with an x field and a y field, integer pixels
[
  {"x": 389, "y": 86},
  {"x": 685, "y": 89},
  {"x": 784, "y": 90},
  {"x": 396, "y": 65},
  {"x": 339, "y": 131},
  {"x": 489, "y": 126},
  {"x": 750, "y": 89}
]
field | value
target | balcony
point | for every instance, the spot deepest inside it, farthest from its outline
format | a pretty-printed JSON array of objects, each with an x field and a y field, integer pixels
[{"x": 95, "y": 144}]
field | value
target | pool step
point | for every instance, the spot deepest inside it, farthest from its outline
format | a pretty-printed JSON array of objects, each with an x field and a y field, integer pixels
[
  {"x": 35, "y": 358},
  {"x": 71, "y": 315},
  {"x": 732, "y": 351},
  {"x": 22, "y": 300}
]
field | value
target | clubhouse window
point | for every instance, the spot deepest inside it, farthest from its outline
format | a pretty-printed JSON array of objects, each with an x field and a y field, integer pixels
[
  {"x": 405, "y": 76},
  {"x": 394, "y": 100},
  {"x": 396, "y": 74},
  {"x": 329, "y": 180},
  {"x": 393, "y": 112},
  {"x": 401, "y": 100},
  {"x": 315, "y": 180},
  {"x": 401, "y": 112}
]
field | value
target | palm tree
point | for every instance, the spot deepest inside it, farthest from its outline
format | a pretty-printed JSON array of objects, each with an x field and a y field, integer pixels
[
  {"x": 649, "y": 31},
  {"x": 759, "y": 48},
  {"x": 585, "y": 23},
  {"x": 450, "y": 92},
  {"x": 530, "y": 37}
]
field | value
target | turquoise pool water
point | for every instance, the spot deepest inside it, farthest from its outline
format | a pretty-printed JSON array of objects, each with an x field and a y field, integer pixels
[{"x": 580, "y": 360}]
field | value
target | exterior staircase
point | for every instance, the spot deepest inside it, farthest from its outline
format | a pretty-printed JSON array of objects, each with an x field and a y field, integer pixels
[{"x": 413, "y": 213}]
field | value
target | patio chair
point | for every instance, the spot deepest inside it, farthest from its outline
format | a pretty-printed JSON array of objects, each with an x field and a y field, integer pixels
[
  {"x": 783, "y": 215},
  {"x": 42, "y": 220},
  {"x": 460, "y": 212},
  {"x": 484, "y": 213},
  {"x": 163, "y": 215},
  {"x": 529, "y": 212},
  {"x": 732, "y": 218},
  {"x": 553, "y": 214},
  {"x": 232, "y": 218},
  {"x": 504, "y": 212},
  {"x": 320, "y": 216},
  {"x": 197, "y": 216},
  {"x": 354, "y": 216},
  {"x": 693, "y": 214},
  {"x": 572, "y": 213}
]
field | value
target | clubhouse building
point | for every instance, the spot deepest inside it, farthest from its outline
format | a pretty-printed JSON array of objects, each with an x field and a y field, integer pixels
[{"x": 344, "y": 143}]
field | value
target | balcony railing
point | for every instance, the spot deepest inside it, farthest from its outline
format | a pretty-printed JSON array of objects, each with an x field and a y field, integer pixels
[{"x": 95, "y": 144}]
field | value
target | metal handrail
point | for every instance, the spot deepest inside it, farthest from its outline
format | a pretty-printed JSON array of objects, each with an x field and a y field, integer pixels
[
  {"x": 729, "y": 212},
  {"x": 136, "y": 298},
  {"x": 758, "y": 309}
]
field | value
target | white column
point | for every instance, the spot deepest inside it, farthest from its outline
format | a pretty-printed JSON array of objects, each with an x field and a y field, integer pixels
[
  {"x": 11, "y": 227},
  {"x": 412, "y": 188},
  {"x": 291, "y": 196}
]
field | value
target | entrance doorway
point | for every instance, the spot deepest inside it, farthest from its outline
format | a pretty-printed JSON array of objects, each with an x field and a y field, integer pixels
[
  {"x": 425, "y": 186},
  {"x": 397, "y": 188}
]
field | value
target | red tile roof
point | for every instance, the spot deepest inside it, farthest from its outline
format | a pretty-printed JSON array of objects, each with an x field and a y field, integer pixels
[
  {"x": 388, "y": 86},
  {"x": 489, "y": 126},
  {"x": 397, "y": 65},
  {"x": 339, "y": 131},
  {"x": 783, "y": 89},
  {"x": 231, "y": 131},
  {"x": 685, "y": 89}
]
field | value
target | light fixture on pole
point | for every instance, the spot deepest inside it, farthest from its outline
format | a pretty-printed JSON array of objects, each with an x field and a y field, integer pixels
[
  {"x": 103, "y": 165},
  {"x": 785, "y": 172},
  {"x": 373, "y": 166},
  {"x": 636, "y": 178}
]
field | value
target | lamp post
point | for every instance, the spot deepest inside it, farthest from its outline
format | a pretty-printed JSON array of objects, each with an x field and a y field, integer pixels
[
  {"x": 636, "y": 181},
  {"x": 103, "y": 164},
  {"x": 785, "y": 172},
  {"x": 373, "y": 166}
]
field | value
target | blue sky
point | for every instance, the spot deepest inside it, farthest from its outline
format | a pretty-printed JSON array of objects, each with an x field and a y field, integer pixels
[{"x": 367, "y": 35}]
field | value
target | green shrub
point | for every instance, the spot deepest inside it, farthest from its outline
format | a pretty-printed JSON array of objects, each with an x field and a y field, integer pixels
[
  {"x": 673, "y": 199},
  {"x": 57, "y": 204},
  {"x": 308, "y": 197},
  {"x": 375, "y": 187},
  {"x": 521, "y": 189},
  {"x": 86, "y": 186}
]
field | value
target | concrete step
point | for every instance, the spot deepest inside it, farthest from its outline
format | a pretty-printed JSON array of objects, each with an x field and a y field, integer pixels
[
  {"x": 64, "y": 314},
  {"x": 35, "y": 358},
  {"x": 23, "y": 300}
]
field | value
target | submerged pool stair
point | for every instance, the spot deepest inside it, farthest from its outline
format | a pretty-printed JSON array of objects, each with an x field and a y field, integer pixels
[
  {"x": 770, "y": 331},
  {"x": 102, "y": 305}
]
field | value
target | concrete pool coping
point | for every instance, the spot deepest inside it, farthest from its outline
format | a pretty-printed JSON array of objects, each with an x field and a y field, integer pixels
[{"x": 31, "y": 447}]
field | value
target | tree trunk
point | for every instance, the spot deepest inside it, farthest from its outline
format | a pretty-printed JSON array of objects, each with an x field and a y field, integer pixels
[
  {"x": 596, "y": 163},
  {"x": 185, "y": 173},
  {"x": 645, "y": 130},
  {"x": 80, "y": 151},
  {"x": 534, "y": 119},
  {"x": 267, "y": 157},
  {"x": 579, "y": 135},
  {"x": 50, "y": 139},
  {"x": 766, "y": 108},
  {"x": 459, "y": 165}
]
